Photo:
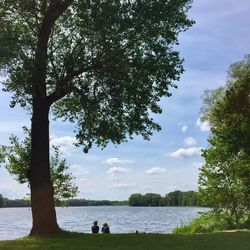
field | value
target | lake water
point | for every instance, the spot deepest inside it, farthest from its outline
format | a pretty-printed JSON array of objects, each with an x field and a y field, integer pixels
[{"x": 16, "y": 222}]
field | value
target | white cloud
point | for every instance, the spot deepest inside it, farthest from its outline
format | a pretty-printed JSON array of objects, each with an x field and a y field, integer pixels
[
  {"x": 155, "y": 171},
  {"x": 124, "y": 185},
  {"x": 203, "y": 126},
  {"x": 185, "y": 152},
  {"x": 184, "y": 128},
  {"x": 115, "y": 160},
  {"x": 190, "y": 141},
  {"x": 117, "y": 170},
  {"x": 65, "y": 143}
]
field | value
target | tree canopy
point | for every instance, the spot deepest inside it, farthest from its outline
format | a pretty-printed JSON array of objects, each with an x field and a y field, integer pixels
[
  {"x": 108, "y": 62},
  {"x": 225, "y": 177}
]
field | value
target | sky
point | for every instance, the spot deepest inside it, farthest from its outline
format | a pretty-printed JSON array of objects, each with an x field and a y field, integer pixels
[{"x": 171, "y": 159}]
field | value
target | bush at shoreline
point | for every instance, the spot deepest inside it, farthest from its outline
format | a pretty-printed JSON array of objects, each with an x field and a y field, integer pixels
[{"x": 209, "y": 223}]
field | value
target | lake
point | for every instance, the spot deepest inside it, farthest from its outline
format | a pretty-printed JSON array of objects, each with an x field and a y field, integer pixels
[{"x": 16, "y": 222}]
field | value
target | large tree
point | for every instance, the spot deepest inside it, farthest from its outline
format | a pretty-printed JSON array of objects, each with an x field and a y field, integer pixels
[
  {"x": 103, "y": 65},
  {"x": 225, "y": 177}
]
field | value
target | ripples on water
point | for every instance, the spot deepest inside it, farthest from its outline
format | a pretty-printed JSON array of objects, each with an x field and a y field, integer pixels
[{"x": 16, "y": 222}]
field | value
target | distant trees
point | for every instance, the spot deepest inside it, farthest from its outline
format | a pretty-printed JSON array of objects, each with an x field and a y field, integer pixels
[
  {"x": 16, "y": 202},
  {"x": 84, "y": 202},
  {"x": 5, "y": 202},
  {"x": 176, "y": 198},
  {"x": 225, "y": 177},
  {"x": 173, "y": 198},
  {"x": 1, "y": 201},
  {"x": 156, "y": 200},
  {"x": 135, "y": 200},
  {"x": 149, "y": 199},
  {"x": 191, "y": 198}
]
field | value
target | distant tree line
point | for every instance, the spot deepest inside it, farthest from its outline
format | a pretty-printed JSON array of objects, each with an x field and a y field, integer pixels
[
  {"x": 5, "y": 202},
  {"x": 1, "y": 201},
  {"x": 176, "y": 198},
  {"x": 84, "y": 202}
]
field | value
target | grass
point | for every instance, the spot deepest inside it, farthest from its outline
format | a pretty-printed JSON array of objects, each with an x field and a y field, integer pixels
[
  {"x": 239, "y": 240},
  {"x": 210, "y": 223}
]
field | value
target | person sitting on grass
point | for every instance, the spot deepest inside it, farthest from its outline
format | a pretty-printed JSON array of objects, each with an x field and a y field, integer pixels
[
  {"x": 95, "y": 228},
  {"x": 105, "y": 228}
]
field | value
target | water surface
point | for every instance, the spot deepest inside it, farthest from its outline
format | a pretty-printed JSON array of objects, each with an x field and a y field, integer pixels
[{"x": 16, "y": 222}]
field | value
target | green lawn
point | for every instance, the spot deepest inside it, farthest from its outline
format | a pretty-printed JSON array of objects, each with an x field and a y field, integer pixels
[{"x": 216, "y": 241}]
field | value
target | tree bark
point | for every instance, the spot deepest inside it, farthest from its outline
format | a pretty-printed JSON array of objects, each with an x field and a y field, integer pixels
[{"x": 42, "y": 200}]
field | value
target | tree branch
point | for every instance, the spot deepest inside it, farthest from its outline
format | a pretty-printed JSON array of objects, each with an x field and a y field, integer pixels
[
  {"x": 58, "y": 94},
  {"x": 64, "y": 88},
  {"x": 55, "y": 10}
]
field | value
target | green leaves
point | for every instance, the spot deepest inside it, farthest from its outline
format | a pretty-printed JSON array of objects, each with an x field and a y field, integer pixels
[
  {"x": 19, "y": 163},
  {"x": 105, "y": 66},
  {"x": 225, "y": 177},
  {"x": 63, "y": 181}
]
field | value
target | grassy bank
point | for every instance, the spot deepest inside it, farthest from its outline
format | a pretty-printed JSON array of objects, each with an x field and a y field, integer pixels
[
  {"x": 210, "y": 223},
  {"x": 73, "y": 241}
]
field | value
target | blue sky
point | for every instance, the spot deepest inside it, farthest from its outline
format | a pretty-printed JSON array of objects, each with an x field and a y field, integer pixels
[{"x": 171, "y": 159}]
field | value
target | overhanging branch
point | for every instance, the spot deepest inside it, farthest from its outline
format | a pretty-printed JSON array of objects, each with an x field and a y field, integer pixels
[{"x": 65, "y": 88}]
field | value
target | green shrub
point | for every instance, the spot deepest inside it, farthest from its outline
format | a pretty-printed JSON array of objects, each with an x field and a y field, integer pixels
[{"x": 209, "y": 222}]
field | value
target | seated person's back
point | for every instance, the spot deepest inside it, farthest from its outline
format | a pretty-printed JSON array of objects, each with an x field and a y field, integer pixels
[
  {"x": 105, "y": 228},
  {"x": 95, "y": 228}
]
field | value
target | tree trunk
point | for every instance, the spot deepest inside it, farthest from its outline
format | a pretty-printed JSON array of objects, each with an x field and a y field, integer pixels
[{"x": 42, "y": 201}]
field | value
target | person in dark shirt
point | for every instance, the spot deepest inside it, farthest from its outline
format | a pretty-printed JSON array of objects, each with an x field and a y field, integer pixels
[
  {"x": 95, "y": 228},
  {"x": 105, "y": 228}
]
